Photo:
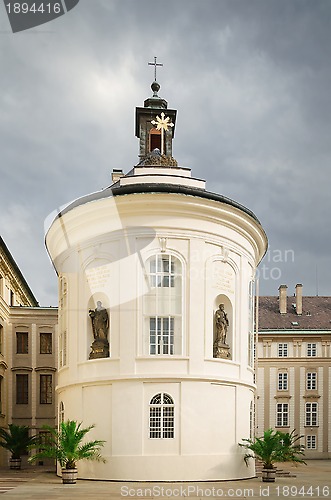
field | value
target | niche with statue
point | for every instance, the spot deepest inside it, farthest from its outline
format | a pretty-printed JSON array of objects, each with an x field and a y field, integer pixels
[
  {"x": 222, "y": 328},
  {"x": 100, "y": 327}
]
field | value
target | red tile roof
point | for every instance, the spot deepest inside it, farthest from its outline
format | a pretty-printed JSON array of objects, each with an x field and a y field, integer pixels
[{"x": 316, "y": 314}]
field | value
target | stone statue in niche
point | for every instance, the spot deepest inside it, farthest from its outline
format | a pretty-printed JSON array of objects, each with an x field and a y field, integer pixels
[
  {"x": 100, "y": 326},
  {"x": 221, "y": 349}
]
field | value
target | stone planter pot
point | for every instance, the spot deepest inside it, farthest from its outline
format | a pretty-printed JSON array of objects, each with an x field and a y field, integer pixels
[
  {"x": 268, "y": 475},
  {"x": 15, "y": 463},
  {"x": 69, "y": 476}
]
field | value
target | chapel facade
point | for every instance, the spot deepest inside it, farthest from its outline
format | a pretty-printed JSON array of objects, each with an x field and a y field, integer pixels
[{"x": 156, "y": 315}]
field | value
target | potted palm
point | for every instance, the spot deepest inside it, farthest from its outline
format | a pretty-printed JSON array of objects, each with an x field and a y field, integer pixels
[
  {"x": 274, "y": 446},
  {"x": 17, "y": 441},
  {"x": 67, "y": 446}
]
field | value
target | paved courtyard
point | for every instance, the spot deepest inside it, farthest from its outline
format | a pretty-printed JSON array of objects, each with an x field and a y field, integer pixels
[{"x": 311, "y": 481}]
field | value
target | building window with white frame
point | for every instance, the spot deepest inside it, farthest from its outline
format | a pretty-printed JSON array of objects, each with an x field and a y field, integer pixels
[
  {"x": 251, "y": 342},
  {"x": 311, "y": 381},
  {"x": 161, "y": 417},
  {"x": 162, "y": 306},
  {"x": 61, "y": 412},
  {"x": 311, "y": 443},
  {"x": 161, "y": 335},
  {"x": 311, "y": 349},
  {"x": 282, "y": 350},
  {"x": 311, "y": 410},
  {"x": 282, "y": 381},
  {"x": 282, "y": 415}
]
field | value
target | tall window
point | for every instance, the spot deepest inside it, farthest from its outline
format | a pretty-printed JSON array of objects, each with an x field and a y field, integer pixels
[
  {"x": 161, "y": 417},
  {"x": 311, "y": 350},
  {"x": 1, "y": 286},
  {"x": 282, "y": 381},
  {"x": 163, "y": 306},
  {"x": 22, "y": 389},
  {"x": 1, "y": 408},
  {"x": 22, "y": 339},
  {"x": 45, "y": 343},
  {"x": 311, "y": 442},
  {"x": 63, "y": 349},
  {"x": 251, "y": 343},
  {"x": 63, "y": 306},
  {"x": 251, "y": 419},
  {"x": 311, "y": 381},
  {"x": 61, "y": 412},
  {"x": 46, "y": 389},
  {"x": 282, "y": 415},
  {"x": 311, "y": 414},
  {"x": 282, "y": 350},
  {"x": 1, "y": 339}
]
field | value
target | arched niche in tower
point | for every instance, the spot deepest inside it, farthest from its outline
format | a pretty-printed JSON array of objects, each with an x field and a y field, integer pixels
[
  {"x": 98, "y": 317},
  {"x": 154, "y": 139},
  {"x": 222, "y": 327}
]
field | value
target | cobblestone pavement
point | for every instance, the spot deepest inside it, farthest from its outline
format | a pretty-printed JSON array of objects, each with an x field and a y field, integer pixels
[{"x": 311, "y": 481}]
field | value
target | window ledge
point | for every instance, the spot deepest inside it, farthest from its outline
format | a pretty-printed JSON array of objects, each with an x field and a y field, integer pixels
[{"x": 163, "y": 356}]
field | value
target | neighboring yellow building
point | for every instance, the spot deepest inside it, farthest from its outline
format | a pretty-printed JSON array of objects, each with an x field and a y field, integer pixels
[
  {"x": 294, "y": 368},
  {"x": 28, "y": 347}
]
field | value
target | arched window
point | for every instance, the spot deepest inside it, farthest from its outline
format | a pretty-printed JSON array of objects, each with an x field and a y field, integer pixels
[
  {"x": 161, "y": 417},
  {"x": 61, "y": 412},
  {"x": 163, "y": 306}
]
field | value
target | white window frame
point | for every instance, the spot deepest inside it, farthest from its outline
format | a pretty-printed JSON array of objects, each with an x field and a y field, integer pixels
[
  {"x": 282, "y": 381},
  {"x": 162, "y": 270},
  {"x": 61, "y": 413},
  {"x": 163, "y": 335},
  {"x": 311, "y": 381},
  {"x": 311, "y": 442},
  {"x": 282, "y": 415},
  {"x": 283, "y": 350},
  {"x": 311, "y": 349},
  {"x": 311, "y": 414},
  {"x": 162, "y": 417}
]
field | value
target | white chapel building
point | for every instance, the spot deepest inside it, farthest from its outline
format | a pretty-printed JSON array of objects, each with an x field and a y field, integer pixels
[{"x": 156, "y": 317}]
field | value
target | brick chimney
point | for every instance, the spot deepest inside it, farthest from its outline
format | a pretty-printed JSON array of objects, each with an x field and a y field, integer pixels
[
  {"x": 298, "y": 298},
  {"x": 116, "y": 175},
  {"x": 282, "y": 299}
]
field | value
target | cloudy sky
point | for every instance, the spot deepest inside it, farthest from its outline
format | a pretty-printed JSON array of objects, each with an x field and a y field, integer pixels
[{"x": 250, "y": 79}]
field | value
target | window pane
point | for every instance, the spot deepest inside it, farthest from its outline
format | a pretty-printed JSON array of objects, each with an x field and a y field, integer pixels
[
  {"x": 161, "y": 417},
  {"x": 22, "y": 384},
  {"x": 22, "y": 342},
  {"x": 46, "y": 389},
  {"x": 45, "y": 343}
]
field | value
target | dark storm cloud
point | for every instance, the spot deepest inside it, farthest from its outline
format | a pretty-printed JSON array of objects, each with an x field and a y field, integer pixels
[{"x": 250, "y": 80}]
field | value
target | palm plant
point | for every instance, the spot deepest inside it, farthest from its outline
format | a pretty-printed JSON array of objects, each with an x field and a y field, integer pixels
[
  {"x": 17, "y": 440},
  {"x": 67, "y": 447},
  {"x": 274, "y": 446},
  {"x": 291, "y": 447}
]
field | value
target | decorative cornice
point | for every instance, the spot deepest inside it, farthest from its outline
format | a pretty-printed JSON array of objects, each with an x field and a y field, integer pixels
[
  {"x": 21, "y": 369},
  {"x": 45, "y": 369}
]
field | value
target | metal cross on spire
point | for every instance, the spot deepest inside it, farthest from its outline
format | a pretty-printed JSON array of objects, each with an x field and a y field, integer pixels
[{"x": 155, "y": 64}]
